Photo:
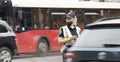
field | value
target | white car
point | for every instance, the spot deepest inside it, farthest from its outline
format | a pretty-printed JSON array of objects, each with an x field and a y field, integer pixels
[{"x": 8, "y": 46}]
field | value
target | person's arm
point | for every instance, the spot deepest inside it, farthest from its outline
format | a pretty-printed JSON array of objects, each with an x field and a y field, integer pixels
[{"x": 61, "y": 40}]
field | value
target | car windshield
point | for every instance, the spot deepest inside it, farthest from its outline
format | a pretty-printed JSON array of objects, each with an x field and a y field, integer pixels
[{"x": 99, "y": 37}]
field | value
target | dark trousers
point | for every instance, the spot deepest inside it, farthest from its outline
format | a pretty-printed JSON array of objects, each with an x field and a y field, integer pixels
[
  {"x": 65, "y": 51},
  {"x": 64, "y": 59}
]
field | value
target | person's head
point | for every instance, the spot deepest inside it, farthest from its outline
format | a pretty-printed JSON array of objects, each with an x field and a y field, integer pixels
[{"x": 70, "y": 18}]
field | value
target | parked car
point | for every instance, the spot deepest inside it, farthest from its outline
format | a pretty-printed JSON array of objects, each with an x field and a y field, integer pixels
[
  {"x": 8, "y": 46},
  {"x": 98, "y": 42}
]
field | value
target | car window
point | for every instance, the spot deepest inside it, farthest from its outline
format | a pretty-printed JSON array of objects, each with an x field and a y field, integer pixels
[
  {"x": 99, "y": 37},
  {"x": 3, "y": 29}
]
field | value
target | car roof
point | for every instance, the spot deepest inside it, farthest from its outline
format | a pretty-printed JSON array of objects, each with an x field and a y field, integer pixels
[
  {"x": 2, "y": 22},
  {"x": 103, "y": 21}
]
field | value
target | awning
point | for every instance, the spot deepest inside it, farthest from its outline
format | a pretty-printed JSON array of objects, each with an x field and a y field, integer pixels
[{"x": 64, "y": 4}]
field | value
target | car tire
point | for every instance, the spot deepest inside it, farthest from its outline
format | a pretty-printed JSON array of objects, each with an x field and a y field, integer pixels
[
  {"x": 5, "y": 54},
  {"x": 43, "y": 49}
]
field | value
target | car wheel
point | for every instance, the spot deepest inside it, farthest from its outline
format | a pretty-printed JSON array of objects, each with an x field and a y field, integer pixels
[
  {"x": 5, "y": 55},
  {"x": 43, "y": 47}
]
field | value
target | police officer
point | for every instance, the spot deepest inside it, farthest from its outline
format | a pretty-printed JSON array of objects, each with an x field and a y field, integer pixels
[{"x": 68, "y": 33}]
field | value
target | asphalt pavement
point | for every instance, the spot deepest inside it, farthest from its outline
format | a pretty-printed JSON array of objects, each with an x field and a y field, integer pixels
[
  {"x": 57, "y": 58},
  {"x": 51, "y": 57}
]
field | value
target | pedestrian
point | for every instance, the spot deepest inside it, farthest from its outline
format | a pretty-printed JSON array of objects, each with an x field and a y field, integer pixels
[{"x": 68, "y": 33}]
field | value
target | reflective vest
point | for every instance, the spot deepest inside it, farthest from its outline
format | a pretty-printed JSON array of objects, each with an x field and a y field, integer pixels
[{"x": 67, "y": 33}]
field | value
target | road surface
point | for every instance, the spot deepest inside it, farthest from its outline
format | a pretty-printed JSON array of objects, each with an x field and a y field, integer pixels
[{"x": 34, "y": 58}]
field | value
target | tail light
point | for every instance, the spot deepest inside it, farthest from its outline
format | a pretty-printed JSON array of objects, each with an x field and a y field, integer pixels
[
  {"x": 81, "y": 30},
  {"x": 71, "y": 55}
]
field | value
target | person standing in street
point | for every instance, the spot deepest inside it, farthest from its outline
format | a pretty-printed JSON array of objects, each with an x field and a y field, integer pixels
[{"x": 68, "y": 34}]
